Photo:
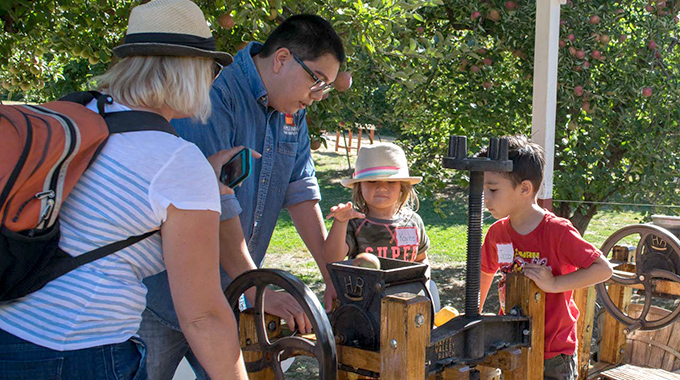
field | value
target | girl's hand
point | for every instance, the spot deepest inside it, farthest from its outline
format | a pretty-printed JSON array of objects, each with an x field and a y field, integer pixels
[
  {"x": 344, "y": 212},
  {"x": 541, "y": 275}
]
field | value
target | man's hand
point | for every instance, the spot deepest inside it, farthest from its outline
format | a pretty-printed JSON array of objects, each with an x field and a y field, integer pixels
[
  {"x": 284, "y": 306},
  {"x": 344, "y": 212},
  {"x": 220, "y": 158},
  {"x": 542, "y": 276}
]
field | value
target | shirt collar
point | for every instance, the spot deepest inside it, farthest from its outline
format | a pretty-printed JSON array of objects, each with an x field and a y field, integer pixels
[{"x": 244, "y": 58}]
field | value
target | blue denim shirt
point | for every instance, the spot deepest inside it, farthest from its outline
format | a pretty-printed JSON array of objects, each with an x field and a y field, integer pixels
[{"x": 284, "y": 176}]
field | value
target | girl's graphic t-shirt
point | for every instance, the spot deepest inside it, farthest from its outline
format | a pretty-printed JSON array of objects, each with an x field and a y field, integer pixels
[
  {"x": 556, "y": 244},
  {"x": 400, "y": 238}
]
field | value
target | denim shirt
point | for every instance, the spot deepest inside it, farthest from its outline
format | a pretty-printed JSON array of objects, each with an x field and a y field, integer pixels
[{"x": 284, "y": 176}]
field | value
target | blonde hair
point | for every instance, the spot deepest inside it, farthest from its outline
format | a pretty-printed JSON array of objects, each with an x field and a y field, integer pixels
[
  {"x": 407, "y": 198},
  {"x": 180, "y": 83}
]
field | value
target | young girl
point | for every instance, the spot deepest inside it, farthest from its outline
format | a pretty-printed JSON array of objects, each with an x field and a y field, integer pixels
[{"x": 383, "y": 220}]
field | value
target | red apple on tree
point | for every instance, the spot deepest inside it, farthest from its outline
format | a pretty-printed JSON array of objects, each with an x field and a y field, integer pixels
[
  {"x": 510, "y": 5},
  {"x": 475, "y": 15},
  {"x": 493, "y": 15},
  {"x": 651, "y": 45},
  {"x": 595, "y": 19},
  {"x": 343, "y": 81},
  {"x": 647, "y": 92},
  {"x": 571, "y": 37},
  {"x": 649, "y": 8},
  {"x": 488, "y": 61},
  {"x": 474, "y": 68},
  {"x": 572, "y": 50},
  {"x": 596, "y": 54},
  {"x": 578, "y": 90},
  {"x": 562, "y": 44},
  {"x": 487, "y": 85},
  {"x": 580, "y": 54},
  {"x": 226, "y": 21}
]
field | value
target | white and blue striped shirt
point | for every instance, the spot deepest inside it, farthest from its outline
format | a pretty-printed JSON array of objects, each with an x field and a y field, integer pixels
[{"x": 125, "y": 192}]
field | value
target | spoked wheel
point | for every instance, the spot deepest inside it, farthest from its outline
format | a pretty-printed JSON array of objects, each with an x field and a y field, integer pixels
[
  {"x": 655, "y": 245},
  {"x": 274, "y": 351}
]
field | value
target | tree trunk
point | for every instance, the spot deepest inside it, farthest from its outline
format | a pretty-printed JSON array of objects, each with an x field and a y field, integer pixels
[{"x": 581, "y": 220}]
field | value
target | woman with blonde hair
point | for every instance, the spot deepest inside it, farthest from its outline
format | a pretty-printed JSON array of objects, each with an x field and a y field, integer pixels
[{"x": 83, "y": 325}]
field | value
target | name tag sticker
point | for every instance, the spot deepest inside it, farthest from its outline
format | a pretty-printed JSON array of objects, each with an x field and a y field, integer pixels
[
  {"x": 505, "y": 253},
  {"x": 406, "y": 236}
]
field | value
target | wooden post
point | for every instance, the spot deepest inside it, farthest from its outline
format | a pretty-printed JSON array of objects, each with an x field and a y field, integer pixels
[
  {"x": 521, "y": 291},
  {"x": 248, "y": 337},
  {"x": 613, "y": 346},
  {"x": 359, "y": 140},
  {"x": 349, "y": 143},
  {"x": 404, "y": 335},
  {"x": 337, "y": 140},
  {"x": 585, "y": 301}
]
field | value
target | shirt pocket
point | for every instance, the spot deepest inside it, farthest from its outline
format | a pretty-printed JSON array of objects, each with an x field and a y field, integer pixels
[{"x": 288, "y": 148}]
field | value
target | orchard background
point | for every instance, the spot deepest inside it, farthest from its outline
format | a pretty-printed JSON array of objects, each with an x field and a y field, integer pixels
[{"x": 424, "y": 70}]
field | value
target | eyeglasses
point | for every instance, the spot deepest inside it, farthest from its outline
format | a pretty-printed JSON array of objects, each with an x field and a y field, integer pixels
[{"x": 318, "y": 85}]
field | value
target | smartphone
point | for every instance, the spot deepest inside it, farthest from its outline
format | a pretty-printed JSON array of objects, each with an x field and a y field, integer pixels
[{"x": 237, "y": 169}]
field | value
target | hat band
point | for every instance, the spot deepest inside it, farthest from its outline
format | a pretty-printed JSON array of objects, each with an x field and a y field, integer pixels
[
  {"x": 173, "y": 39},
  {"x": 376, "y": 171}
]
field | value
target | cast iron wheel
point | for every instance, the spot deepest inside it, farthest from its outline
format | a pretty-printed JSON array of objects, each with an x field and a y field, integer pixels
[
  {"x": 643, "y": 275},
  {"x": 323, "y": 349}
]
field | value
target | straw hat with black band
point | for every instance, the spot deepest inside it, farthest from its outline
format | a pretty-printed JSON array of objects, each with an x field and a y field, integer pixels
[{"x": 170, "y": 28}]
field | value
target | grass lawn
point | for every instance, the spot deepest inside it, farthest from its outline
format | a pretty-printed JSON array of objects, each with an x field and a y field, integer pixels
[
  {"x": 448, "y": 233},
  {"x": 448, "y": 241}
]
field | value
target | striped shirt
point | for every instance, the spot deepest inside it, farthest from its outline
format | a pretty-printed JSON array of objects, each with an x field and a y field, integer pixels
[{"x": 125, "y": 192}]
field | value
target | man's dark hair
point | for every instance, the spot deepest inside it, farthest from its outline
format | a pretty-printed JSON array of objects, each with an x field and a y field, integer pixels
[
  {"x": 528, "y": 161},
  {"x": 308, "y": 36}
]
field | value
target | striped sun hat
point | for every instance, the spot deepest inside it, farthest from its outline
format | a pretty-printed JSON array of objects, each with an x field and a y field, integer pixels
[{"x": 381, "y": 162}]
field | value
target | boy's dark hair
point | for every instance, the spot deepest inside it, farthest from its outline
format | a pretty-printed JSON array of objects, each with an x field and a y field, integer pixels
[
  {"x": 308, "y": 36},
  {"x": 528, "y": 161}
]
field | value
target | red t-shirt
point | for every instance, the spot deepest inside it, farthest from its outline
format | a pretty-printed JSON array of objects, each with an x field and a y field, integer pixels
[{"x": 554, "y": 243}]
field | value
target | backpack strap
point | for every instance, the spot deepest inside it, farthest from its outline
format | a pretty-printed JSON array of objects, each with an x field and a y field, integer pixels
[
  {"x": 121, "y": 122},
  {"x": 135, "y": 121},
  {"x": 106, "y": 250}
]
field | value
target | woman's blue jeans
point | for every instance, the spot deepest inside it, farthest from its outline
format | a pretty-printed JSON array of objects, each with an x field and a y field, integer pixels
[{"x": 22, "y": 360}]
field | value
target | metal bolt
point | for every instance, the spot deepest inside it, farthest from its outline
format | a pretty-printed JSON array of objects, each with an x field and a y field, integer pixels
[
  {"x": 526, "y": 332},
  {"x": 588, "y": 328},
  {"x": 420, "y": 319},
  {"x": 248, "y": 341},
  {"x": 393, "y": 343},
  {"x": 271, "y": 326},
  {"x": 621, "y": 351},
  {"x": 513, "y": 311},
  {"x": 378, "y": 287},
  {"x": 537, "y": 296},
  {"x": 642, "y": 278}
]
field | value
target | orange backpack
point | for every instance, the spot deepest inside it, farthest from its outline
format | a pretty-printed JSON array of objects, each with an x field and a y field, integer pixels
[{"x": 44, "y": 149}]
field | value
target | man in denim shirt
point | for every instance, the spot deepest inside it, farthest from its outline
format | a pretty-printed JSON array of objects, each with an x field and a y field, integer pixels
[{"x": 259, "y": 103}]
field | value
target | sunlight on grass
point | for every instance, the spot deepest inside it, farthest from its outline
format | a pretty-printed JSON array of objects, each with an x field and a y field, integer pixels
[{"x": 447, "y": 233}]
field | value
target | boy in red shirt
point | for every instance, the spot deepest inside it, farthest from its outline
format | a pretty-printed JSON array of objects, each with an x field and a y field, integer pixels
[{"x": 548, "y": 249}]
